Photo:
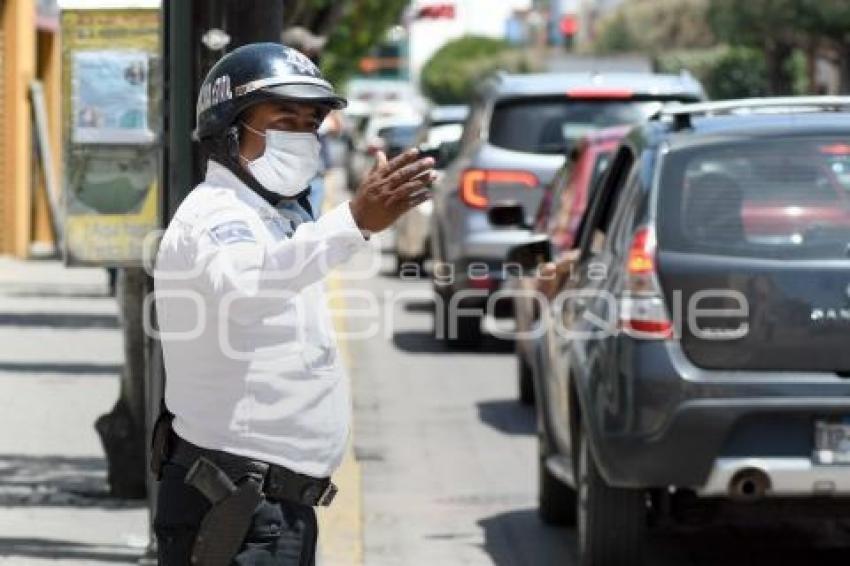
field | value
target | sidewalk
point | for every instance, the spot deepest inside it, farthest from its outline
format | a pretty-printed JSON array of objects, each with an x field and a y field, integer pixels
[{"x": 60, "y": 358}]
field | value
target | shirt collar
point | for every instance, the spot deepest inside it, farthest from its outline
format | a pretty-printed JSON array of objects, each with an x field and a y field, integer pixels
[{"x": 220, "y": 176}]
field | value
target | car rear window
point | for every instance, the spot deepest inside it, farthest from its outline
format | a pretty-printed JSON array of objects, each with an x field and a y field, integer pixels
[
  {"x": 399, "y": 135},
  {"x": 554, "y": 125},
  {"x": 763, "y": 198}
]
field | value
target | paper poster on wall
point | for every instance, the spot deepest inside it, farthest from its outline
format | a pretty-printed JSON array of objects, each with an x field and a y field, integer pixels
[
  {"x": 110, "y": 93},
  {"x": 111, "y": 124}
]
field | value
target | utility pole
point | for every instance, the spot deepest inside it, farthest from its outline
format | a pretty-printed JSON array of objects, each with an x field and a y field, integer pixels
[{"x": 189, "y": 50}]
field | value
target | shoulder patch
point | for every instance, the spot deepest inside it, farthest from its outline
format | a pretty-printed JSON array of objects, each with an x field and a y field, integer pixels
[{"x": 232, "y": 232}]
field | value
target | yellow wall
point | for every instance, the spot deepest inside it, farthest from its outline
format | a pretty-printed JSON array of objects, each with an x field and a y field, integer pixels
[
  {"x": 47, "y": 71},
  {"x": 21, "y": 63}
]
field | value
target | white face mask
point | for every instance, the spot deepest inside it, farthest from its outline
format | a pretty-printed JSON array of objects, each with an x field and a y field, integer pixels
[{"x": 289, "y": 162}]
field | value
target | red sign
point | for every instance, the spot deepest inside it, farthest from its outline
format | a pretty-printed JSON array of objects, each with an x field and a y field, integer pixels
[
  {"x": 436, "y": 12},
  {"x": 569, "y": 24}
]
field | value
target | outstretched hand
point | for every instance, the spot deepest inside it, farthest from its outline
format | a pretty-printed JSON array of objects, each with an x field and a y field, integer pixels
[{"x": 392, "y": 188}]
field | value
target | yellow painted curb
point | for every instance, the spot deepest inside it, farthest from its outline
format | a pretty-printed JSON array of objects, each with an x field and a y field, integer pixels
[{"x": 341, "y": 524}]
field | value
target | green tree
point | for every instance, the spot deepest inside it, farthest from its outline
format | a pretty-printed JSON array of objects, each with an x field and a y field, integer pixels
[
  {"x": 774, "y": 26},
  {"x": 352, "y": 27},
  {"x": 361, "y": 25},
  {"x": 828, "y": 22},
  {"x": 653, "y": 26},
  {"x": 450, "y": 76},
  {"x": 725, "y": 72}
]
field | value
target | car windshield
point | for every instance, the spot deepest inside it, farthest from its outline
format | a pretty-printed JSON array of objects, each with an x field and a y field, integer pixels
[
  {"x": 777, "y": 198},
  {"x": 554, "y": 125}
]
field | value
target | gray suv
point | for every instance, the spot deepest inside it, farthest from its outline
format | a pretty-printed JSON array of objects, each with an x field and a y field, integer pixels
[{"x": 519, "y": 130}]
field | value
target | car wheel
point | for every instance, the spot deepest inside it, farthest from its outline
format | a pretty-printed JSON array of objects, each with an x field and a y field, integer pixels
[
  {"x": 556, "y": 501},
  {"x": 469, "y": 333},
  {"x": 525, "y": 380},
  {"x": 611, "y": 521}
]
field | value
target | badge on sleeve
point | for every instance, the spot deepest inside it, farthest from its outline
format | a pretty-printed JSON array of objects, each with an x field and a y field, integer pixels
[{"x": 232, "y": 232}]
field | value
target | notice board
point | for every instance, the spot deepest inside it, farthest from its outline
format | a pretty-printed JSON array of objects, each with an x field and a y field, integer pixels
[{"x": 111, "y": 109}]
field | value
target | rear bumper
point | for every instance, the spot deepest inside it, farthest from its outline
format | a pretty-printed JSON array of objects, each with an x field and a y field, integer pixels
[
  {"x": 679, "y": 425},
  {"x": 493, "y": 244},
  {"x": 481, "y": 262},
  {"x": 787, "y": 477}
]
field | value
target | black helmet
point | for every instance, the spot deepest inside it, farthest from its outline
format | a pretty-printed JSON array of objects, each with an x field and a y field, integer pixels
[{"x": 255, "y": 73}]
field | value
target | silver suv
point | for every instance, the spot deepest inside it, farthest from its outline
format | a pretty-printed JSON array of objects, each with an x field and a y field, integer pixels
[{"x": 519, "y": 130}]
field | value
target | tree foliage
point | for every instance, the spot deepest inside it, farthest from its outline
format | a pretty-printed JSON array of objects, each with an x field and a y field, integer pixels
[
  {"x": 651, "y": 26},
  {"x": 827, "y": 23},
  {"x": 756, "y": 22},
  {"x": 774, "y": 26},
  {"x": 451, "y": 74},
  {"x": 353, "y": 27},
  {"x": 363, "y": 25},
  {"x": 780, "y": 27},
  {"x": 787, "y": 33},
  {"x": 725, "y": 72}
]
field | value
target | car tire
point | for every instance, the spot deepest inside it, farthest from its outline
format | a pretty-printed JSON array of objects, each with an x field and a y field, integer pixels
[
  {"x": 611, "y": 521},
  {"x": 556, "y": 501},
  {"x": 469, "y": 333},
  {"x": 525, "y": 380}
]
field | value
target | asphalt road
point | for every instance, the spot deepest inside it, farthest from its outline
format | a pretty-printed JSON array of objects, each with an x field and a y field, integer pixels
[{"x": 448, "y": 456}]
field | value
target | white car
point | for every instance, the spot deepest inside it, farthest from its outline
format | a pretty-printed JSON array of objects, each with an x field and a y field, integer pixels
[
  {"x": 371, "y": 141},
  {"x": 413, "y": 229}
]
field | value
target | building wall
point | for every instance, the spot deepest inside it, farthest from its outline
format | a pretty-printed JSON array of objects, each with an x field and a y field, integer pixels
[
  {"x": 23, "y": 220},
  {"x": 6, "y": 212}
]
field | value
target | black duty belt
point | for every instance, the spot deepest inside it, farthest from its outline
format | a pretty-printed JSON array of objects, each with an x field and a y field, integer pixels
[{"x": 278, "y": 482}]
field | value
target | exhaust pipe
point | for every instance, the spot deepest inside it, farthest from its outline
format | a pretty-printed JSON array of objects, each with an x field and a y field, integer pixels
[{"x": 749, "y": 484}]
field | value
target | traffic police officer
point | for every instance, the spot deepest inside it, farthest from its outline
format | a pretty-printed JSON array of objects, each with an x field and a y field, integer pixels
[{"x": 257, "y": 406}]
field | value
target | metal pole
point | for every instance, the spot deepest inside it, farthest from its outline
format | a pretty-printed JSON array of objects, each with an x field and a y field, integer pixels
[{"x": 253, "y": 21}]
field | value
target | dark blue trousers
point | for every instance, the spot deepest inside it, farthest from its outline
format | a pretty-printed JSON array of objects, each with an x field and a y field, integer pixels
[{"x": 282, "y": 533}]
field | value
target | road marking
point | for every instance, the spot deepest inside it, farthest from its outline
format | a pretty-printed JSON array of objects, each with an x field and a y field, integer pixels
[{"x": 341, "y": 524}]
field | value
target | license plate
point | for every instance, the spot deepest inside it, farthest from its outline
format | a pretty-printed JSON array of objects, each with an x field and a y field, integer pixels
[{"x": 832, "y": 442}]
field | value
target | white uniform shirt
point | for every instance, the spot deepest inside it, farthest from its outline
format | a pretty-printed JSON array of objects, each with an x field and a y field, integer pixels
[{"x": 250, "y": 355}]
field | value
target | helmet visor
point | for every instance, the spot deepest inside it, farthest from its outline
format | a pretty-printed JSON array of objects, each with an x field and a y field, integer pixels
[{"x": 308, "y": 94}]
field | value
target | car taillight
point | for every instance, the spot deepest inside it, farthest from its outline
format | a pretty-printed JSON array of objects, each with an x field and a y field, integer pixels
[
  {"x": 643, "y": 313},
  {"x": 474, "y": 184},
  {"x": 835, "y": 149}
]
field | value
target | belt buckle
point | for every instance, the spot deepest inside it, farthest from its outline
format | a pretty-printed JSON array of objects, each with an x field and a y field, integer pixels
[{"x": 327, "y": 495}]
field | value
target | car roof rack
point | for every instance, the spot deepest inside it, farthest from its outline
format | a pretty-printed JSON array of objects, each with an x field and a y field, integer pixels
[{"x": 681, "y": 114}]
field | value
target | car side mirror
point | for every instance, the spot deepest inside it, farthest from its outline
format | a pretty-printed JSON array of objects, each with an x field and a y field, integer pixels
[
  {"x": 432, "y": 152},
  {"x": 507, "y": 215},
  {"x": 530, "y": 255},
  {"x": 447, "y": 151},
  {"x": 442, "y": 154}
]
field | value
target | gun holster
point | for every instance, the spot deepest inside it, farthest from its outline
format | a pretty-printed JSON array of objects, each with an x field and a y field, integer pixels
[
  {"x": 225, "y": 525},
  {"x": 161, "y": 441}
]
